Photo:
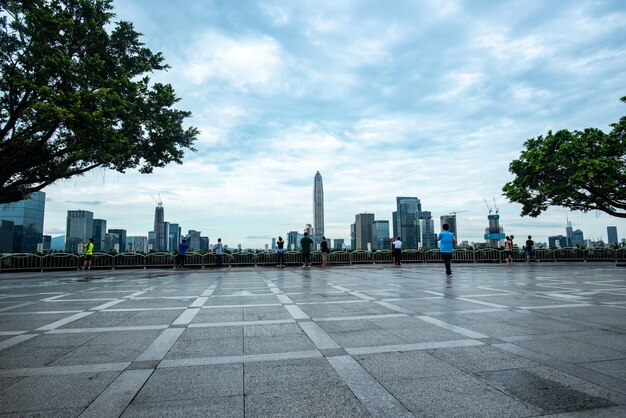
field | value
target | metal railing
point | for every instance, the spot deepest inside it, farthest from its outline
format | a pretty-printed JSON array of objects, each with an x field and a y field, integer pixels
[{"x": 64, "y": 261}]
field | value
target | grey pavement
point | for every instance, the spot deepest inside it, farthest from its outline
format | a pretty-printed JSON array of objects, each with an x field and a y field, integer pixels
[{"x": 540, "y": 339}]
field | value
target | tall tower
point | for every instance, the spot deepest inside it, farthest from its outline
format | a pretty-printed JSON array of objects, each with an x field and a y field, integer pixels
[
  {"x": 407, "y": 216},
  {"x": 318, "y": 208},
  {"x": 159, "y": 227}
]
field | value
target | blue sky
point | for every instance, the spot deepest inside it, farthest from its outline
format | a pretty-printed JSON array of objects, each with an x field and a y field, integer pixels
[{"x": 428, "y": 98}]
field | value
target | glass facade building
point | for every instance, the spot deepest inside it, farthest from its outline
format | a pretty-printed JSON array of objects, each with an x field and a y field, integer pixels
[
  {"x": 27, "y": 217},
  {"x": 79, "y": 229},
  {"x": 381, "y": 240},
  {"x": 407, "y": 214},
  {"x": 99, "y": 232},
  {"x": 318, "y": 208}
]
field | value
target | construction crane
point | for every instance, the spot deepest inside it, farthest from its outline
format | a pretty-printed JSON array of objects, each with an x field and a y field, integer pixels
[
  {"x": 495, "y": 206},
  {"x": 158, "y": 202},
  {"x": 454, "y": 212},
  {"x": 488, "y": 207}
]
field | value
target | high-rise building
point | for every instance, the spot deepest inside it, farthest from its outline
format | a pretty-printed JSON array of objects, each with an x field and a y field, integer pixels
[
  {"x": 79, "y": 229},
  {"x": 121, "y": 233},
  {"x": 494, "y": 233},
  {"x": 451, "y": 221},
  {"x": 428, "y": 238},
  {"x": 193, "y": 239},
  {"x": 318, "y": 208},
  {"x": 98, "y": 235},
  {"x": 408, "y": 209},
  {"x": 364, "y": 230},
  {"x": 6, "y": 236},
  {"x": 174, "y": 236},
  {"x": 611, "y": 232},
  {"x": 569, "y": 233},
  {"x": 273, "y": 243},
  {"x": 578, "y": 238},
  {"x": 139, "y": 244},
  {"x": 27, "y": 217},
  {"x": 159, "y": 228},
  {"x": 557, "y": 241},
  {"x": 394, "y": 222},
  {"x": 292, "y": 241},
  {"x": 112, "y": 242},
  {"x": 380, "y": 237},
  {"x": 338, "y": 243},
  {"x": 353, "y": 236}
]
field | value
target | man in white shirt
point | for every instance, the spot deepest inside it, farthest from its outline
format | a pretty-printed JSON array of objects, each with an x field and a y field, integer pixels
[{"x": 397, "y": 251}]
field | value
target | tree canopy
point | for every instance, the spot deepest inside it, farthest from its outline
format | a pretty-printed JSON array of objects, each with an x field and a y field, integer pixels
[
  {"x": 75, "y": 95},
  {"x": 580, "y": 170}
]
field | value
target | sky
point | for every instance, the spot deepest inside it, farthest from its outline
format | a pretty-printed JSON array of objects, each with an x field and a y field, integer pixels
[{"x": 429, "y": 98}]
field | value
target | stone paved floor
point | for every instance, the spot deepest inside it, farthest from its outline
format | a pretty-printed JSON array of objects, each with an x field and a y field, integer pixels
[{"x": 525, "y": 340}]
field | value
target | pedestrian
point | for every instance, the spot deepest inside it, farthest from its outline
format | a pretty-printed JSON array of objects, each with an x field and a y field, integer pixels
[
  {"x": 508, "y": 250},
  {"x": 530, "y": 244},
  {"x": 305, "y": 246},
  {"x": 88, "y": 255},
  {"x": 446, "y": 246},
  {"x": 397, "y": 251},
  {"x": 219, "y": 252},
  {"x": 182, "y": 253},
  {"x": 280, "y": 251},
  {"x": 324, "y": 248}
]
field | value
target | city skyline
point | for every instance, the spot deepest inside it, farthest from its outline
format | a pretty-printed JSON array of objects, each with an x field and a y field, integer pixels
[{"x": 431, "y": 99}]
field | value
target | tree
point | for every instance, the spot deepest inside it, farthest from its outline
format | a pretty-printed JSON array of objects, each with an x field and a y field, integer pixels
[
  {"x": 75, "y": 95},
  {"x": 579, "y": 170}
]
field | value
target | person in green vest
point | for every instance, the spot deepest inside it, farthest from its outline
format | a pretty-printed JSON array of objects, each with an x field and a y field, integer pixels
[
  {"x": 88, "y": 255},
  {"x": 305, "y": 245}
]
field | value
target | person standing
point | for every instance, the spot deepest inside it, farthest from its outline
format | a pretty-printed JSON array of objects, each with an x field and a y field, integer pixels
[
  {"x": 280, "y": 251},
  {"x": 182, "y": 253},
  {"x": 447, "y": 241},
  {"x": 88, "y": 255},
  {"x": 324, "y": 248},
  {"x": 219, "y": 252},
  {"x": 530, "y": 244},
  {"x": 305, "y": 245},
  {"x": 508, "y": 250},
  {"x": 397, "y": 251}
]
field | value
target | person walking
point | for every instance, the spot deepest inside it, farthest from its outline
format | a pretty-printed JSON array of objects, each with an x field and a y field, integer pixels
[
  {"x": 305, "y": 246},
  {"x": 447, "y": 242},
  {"x": 508, "y": 250},
  {"x": 397, "y": 251},
  {"x": 182, "y": 253},
  {"x": 88, "y": 255},
  {"x": 280, "y": 251},
  {"x": 219, "y": 252},
  {"x": 530, "y": 244},
  {"x": 324, "y": 248}
]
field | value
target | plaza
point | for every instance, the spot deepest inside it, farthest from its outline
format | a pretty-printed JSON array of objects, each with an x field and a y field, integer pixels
[{"x": 526, "y": 340}]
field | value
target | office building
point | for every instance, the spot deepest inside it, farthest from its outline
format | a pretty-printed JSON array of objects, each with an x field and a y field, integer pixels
[
  {"x": 293, "y": 244},
  {"x": 380, "y": 238},
  {"x": 27, "y": 216},
  {"x": 451, "y": 221},
  {"x": 193, "y": 240},
  {"x": 569, "y": 233},
  {"x": 408, "y": 209},
  {"x": 611, "y": 233},
  {"x": 318, "y": 208},
  {"x": 78, "y": 230},
  {"x": 6, "y": 237},
  {"x": 273, "y": 243},
  {"x": 426, "y": 228},
  {"x": 111, "y": 242},
  {"x": 352, "y": 236},
  {"x": 47, "y": 242},
  {"x": 394, "y": 222},
  {"x": 364, "y": 223},
  {"x": 578, "y": 238},
  {"x": 151, "y": 241},
  {"x": 557, "y": 241},
  {"x": 338, "y": 243},
  {"x": 159, "y": 228},
  {"x": 98, "y": 235},
  {"x": 139, "y": 244},
  {"x": 174, "y": 236},
  {"x": 121, "y": 233}
]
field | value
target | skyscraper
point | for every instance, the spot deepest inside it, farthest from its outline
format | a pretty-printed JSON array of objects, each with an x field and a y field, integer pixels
[
  {"x": 364, "y": 230},
  {"x": 451, "y": 221},
  {"x": 408, "y": 209},
  {"x": 79, "y": 229},
  {"x": 381, "y": 240},
  {"x": 159, "y": 228},
  {"x": 428, "y": 238},
  {"x": 611, "y": 232},
  {"x": 121, "y": 238},
  {"x": 99, "y": 232},
  {"x": 318, "y": 208},
  {"x": 27, "y": 217}
]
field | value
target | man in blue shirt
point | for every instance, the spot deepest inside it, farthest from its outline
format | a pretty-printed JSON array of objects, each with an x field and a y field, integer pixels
[
  {"x": 447, "y": 241},
  {"x": 182, "y": 253}
]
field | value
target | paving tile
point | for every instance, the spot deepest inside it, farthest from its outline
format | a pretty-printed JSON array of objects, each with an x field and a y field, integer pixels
[{"x": 222, "y": 406}]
